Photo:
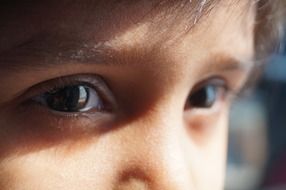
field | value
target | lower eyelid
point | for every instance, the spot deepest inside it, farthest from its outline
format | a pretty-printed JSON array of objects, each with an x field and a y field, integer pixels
[
  {"x": 54, "y": 118},
  {"x": 35, "y": 114}
]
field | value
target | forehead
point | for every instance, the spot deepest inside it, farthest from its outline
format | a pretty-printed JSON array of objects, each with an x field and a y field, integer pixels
[{"x": 81, "y": 29}]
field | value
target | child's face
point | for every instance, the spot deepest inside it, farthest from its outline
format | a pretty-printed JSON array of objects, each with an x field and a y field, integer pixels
[{"x": 113, "y": 95}]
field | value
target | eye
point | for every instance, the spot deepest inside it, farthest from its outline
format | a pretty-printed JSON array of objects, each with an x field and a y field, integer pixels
[
  {"x": 74, "y": 94},
  {"x": 207, "y": 95},
  {"x": 75, "y": 98}
]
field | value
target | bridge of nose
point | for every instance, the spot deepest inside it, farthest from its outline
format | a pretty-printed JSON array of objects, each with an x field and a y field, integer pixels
[{"x": 153, "y": 155}]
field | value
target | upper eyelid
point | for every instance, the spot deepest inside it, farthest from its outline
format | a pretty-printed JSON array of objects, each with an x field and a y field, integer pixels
[
  {"x": 92, "y": 81},
  {"x": 232, "y": 92},
  {"x": 232, "y": 78},
  {"x": 63, "y": 81},
  {"x": 220, "y": 81}
]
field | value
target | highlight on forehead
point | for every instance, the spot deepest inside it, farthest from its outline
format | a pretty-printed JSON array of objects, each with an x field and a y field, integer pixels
[
  {"x": 187, "y": 11},
  {"x": 269, "y": 26},
  {"x": 168, "y": 12},
  {"x": 170, "y": 20},
  {"x": 180, "y": 15},
  {"x": 165, "y": 16}
]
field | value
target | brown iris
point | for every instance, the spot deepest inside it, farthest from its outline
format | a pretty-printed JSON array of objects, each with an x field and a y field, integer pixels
[{"x": 68, "y": 99}]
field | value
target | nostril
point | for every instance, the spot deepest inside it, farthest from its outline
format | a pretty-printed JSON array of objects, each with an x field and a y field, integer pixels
[
  {"x": 133, "y": 180},
  {"x": 133, "y": 184}
]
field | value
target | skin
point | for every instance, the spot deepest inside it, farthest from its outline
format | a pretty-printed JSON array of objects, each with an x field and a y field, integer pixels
[{"x": 150, "y": 139}]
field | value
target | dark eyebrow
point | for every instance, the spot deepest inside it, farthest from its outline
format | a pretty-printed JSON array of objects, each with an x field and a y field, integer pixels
[
  {"x": 46, "y": 52},
  {"x": 224, "y": 62},
  {"x": 41, "y": 54}
]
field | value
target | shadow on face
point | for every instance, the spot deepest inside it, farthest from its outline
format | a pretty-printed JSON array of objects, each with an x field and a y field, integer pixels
[{"x": 119, "y": 95}]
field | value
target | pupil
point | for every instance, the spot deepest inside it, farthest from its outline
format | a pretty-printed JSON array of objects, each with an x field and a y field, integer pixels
[
  {"x": 68, "y": 99},
  {"x": 205, "y": 97}
]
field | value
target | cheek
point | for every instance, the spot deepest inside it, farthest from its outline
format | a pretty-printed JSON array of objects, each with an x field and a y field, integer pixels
[
  {"x": 209, "y": 166},
  {"x": 49, "y": 169},
  {"x": 152, "y": 149}
]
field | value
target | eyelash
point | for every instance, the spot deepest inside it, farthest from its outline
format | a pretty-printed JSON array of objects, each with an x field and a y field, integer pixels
[
  {"x": 220, "y": 87},
  {"x": 36, "y": 94},
  {"x": 98, "y": 85}
]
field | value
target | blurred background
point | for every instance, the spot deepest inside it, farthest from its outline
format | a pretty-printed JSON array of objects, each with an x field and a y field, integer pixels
[{"x": 257, "y": 135}]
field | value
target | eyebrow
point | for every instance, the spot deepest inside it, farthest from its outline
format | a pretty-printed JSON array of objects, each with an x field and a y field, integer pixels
[
  {"x": 224, "y": 62},
  {"x": 40, "y": 54},
  {"x": 46, "y": 52}
]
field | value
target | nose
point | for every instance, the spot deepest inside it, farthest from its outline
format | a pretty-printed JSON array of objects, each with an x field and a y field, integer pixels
[{"x": 156, "y": 158}]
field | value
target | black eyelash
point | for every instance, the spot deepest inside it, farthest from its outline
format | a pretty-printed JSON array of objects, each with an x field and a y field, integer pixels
[
  {"x": 61, "y": 82},
  {"x": 92, "y": 81},
  {"x": 230, "y": 91}
]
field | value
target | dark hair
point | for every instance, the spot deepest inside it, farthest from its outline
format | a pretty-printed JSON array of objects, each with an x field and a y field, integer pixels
[
  {"x": 268, "y": 34},
  {"x": 270, "y": 26}
]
